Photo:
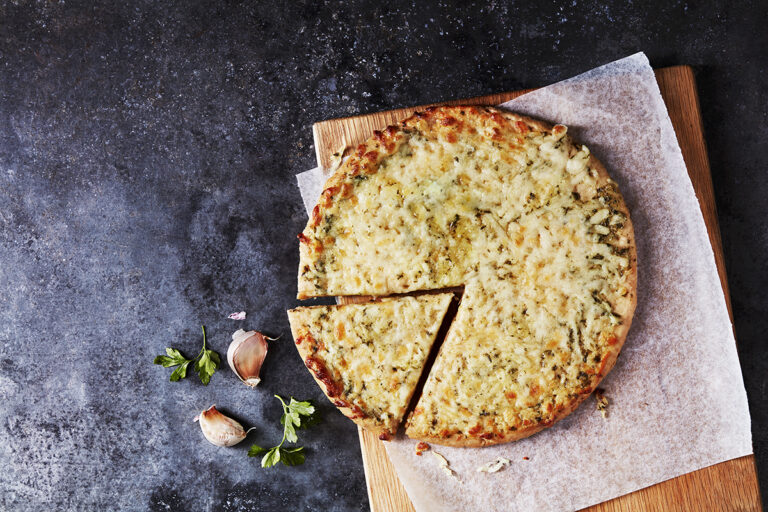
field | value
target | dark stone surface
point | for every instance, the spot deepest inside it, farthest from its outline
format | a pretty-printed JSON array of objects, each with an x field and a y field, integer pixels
[{"x": 147, "y": 155}]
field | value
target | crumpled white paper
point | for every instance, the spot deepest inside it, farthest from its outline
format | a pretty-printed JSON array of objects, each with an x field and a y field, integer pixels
[{"x": 677, "y": 398}]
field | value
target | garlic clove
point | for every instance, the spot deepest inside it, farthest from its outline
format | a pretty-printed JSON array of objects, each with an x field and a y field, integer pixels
[
  {"x": 219, "y": 429},
  {"x": 246, "y": 354}
]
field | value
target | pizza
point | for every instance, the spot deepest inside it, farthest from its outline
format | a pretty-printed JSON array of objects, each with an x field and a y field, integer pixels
[
  {"x": 368, "y": 357},
  {"x": 526, "y": 221}
]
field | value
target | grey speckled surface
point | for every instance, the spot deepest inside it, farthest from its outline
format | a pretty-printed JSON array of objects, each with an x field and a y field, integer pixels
[{"x": 147, "y": 154}]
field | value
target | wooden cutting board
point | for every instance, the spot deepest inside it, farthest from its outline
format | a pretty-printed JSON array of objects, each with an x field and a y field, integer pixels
[{"x": 730, "y": 485}]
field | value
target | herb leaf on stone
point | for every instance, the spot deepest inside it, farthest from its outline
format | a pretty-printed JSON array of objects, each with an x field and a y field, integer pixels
[
  {"x": 256, "y": 450},
  {"x": 292, "y": 456},
  {"x": 180, "y": 372},
  {"x": 295, "y": 415},
  {"x": 173, "y": 358},
  {"x": 206, "y": 362}
]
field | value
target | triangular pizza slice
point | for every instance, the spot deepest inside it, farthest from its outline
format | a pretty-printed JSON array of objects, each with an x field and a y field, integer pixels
[{"x": 368, "y": 357}]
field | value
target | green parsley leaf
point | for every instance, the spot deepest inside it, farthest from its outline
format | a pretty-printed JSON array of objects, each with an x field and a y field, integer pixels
[
  {"x": 271, "y": 458},
  {"x": 309, "y": 414},
  {"x": 313, "y": 419},
  {"x": 295, "y": 415},
  {"x": 293, "y": 418},
  {"x": 180, "y": 372},
  {"x": 292, "y": 457},
  {"x": 289, "y": 431},
  {"x": 174, "y": 358},
  {"x": 256, "y": 450},
  {"x": 206, "y": 365},
  {"x": 206, "y": 362},
  {"x": 302, "y": 408}
]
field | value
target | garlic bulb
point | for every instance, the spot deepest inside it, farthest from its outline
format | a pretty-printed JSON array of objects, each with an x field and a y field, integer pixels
[
  {"x": 219, "y": 429},
  {"x": 246, "y": 354}
]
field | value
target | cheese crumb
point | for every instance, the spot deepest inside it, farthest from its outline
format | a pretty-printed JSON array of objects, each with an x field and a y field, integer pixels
[
  {"x": 443, "y": 462},
  {"x": 421, "y": 448},
  {"x": 337, "y": 158},
  {"x": 495, "y": 465},
  {"x": 602, "y": 402}
]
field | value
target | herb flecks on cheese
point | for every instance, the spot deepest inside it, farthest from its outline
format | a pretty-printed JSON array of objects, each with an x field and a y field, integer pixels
[{"x": 369, "y": 357}]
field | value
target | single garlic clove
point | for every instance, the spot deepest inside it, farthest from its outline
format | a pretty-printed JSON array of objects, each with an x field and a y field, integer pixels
[
  {"x": 219, "y": 429},
  {"x": 246, "y": 354}
]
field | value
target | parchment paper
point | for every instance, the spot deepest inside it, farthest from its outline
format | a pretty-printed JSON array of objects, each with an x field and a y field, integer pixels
[{"x": 677, "y": 398}]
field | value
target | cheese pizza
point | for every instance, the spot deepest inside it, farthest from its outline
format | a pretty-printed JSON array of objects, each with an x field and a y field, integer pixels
[{"x": 527, "y": 221}]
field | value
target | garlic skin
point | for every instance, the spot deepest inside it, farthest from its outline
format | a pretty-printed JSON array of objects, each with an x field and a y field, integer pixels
[
  {"x": 246, "y": 354},
  {"x": 219, "y": 429}
]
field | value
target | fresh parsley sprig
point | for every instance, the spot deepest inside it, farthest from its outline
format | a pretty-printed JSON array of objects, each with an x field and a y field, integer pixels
[
  {"x": 206, "y": 362},
  {"x": 295, "y": 415}
]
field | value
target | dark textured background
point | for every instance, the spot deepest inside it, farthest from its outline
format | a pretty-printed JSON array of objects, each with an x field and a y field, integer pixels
[{"x": 147, "y": 155}]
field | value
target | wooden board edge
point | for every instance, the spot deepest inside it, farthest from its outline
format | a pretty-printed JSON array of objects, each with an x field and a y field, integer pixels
[
  {"x": 684, "y": 492},
  {"x": 689, "y": 130},
  {"x": 319, "y": 149},
  {"x": 385, "y": 490}
]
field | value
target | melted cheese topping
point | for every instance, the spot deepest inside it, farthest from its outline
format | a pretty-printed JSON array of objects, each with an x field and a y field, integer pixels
[
  {"x": 373, "y": 354},
  {"x": 539, "y": 238}
]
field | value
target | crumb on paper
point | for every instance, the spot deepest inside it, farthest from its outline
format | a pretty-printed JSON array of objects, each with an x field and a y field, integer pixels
[
  {"x": 421, "y": 448},
  {"x": 495, "y": 465},
  {"x": 602, "y": 402},
  {"x": 443, "y": 462},
  {"x": 240, "y": 315}
]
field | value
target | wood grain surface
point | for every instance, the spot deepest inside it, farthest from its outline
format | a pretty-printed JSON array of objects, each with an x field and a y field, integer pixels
[{"x": 728, "y": 486}]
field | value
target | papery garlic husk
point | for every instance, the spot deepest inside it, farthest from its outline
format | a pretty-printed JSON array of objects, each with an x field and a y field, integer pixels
[
  {"x": 219, "y": 429},
  {"x": 246, "y": 354}
]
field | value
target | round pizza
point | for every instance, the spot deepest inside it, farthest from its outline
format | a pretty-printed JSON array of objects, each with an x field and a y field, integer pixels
[{"x": 525, "y": 221}]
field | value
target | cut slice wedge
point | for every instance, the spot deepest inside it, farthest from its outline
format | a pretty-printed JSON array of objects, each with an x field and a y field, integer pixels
[{"x": 368, "y": 358}]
